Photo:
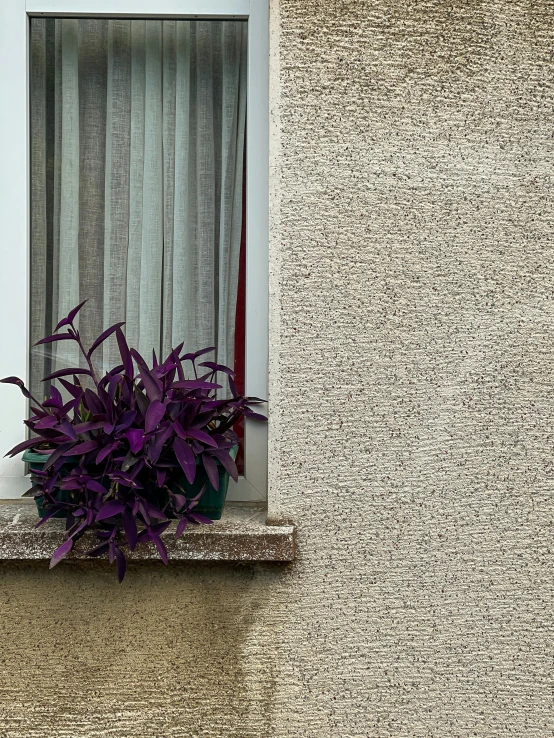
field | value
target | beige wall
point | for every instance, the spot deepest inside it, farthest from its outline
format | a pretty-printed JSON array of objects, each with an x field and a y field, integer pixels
[{"x": 412, "y": 408}]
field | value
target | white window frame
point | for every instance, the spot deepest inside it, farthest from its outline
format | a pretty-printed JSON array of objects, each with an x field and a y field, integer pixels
[{"x": 15, "y": 209}]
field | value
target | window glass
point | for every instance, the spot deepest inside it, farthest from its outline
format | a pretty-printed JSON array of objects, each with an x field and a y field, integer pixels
[{"x": 137, "y": 186}]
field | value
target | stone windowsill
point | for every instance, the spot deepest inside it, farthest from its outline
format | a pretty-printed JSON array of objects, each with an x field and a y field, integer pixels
[{"x": 242, "y": 534}]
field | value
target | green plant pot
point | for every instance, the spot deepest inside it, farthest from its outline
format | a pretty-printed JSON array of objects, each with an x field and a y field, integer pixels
[
  {"x": 37, "y": 461},
  {"x": 212, "y": 501},
  {"x": 210, "y": 504}
]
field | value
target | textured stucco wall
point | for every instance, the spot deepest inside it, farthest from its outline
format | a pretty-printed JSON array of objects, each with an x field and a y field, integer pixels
[{"x": 412, "y": 326}]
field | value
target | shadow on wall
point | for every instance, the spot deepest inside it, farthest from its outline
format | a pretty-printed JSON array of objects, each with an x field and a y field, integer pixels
[{"x": 163, "y": 654}]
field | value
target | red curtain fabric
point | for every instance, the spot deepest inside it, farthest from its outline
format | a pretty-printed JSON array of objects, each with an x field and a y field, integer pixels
[{"x": 240, "y": 323}]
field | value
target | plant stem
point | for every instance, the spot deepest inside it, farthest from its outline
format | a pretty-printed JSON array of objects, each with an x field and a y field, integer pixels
[{"x": 87, "y": 357}]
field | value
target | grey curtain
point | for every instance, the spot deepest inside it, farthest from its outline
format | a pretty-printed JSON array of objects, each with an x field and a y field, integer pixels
[{"x": 137, "y": 146}]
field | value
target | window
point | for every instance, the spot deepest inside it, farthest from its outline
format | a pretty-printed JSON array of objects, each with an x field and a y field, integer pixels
[{"x": 135, "y": 174}]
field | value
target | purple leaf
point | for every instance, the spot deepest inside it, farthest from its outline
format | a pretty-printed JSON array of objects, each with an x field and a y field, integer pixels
[
  {"x": 233, "y": 387},
  {"x": 141, "y": 400},
  {"x": 98, "y": 550},
  {"x": 106, "y": 451},
  {"x": 192, "y": 357},
  {"x": 77, "y": 528},
  {"x": 103, "y": 336},
  {"x": 160, "y": 546},
  {"x": 161, "y": 475},
  {"x": 106, "y": 402},
  {"x": 112, "y": 386},
  {"x": 152, "y": 385},
  {"x": 199, "y": 435},
  {"x": 61, "y": 552},
  {"x": 218, "y": 367},
  {"x": 12, "y": 380},
  {"x": 198, "y": 518},
  {"x": 254, "y": 416},
  {"x": 70, "y": 317},
  {"x": 179, "y": 501},
  {"x": 55, "y": 455},
  {"x": 153, "y": 512},
  {"x": 23, "y": 446},
  {"x": 74, "y": 390},
  {"x": 95, "y": 486},
  {"x": 120, "y": 563},
  {"x": 66, "y": 373},
  {"x": 111, "y": 508},
  {"x": 49, "y": 421},
  {"x": 89, "y": 425},
  {"x": 138, "y": 358},
  {"x": 174, "y": 355},
  {"x": 125, "y": 479},
  {"x": 66, "y": 428},
  {"x": 186, "y": 458},
  {"x": 19, "y": 383},
  {"x": 202, "y": 419},
  {"x": 211, "y": 470},
  {"x": 55, "y": 399},
  {"x": 126, "y": 419},
  {"x": 107, "y": 378},
  {"x": 56, "y": 337},
  {"x": 126, "y": 357},
  {"x": 154, "y": 414},
  {"x": 144, "y": 512},
  {"x": 135, "y": 437},
  {"x": 228, "y": 464},
  {"x": 48, "y": 515},
  {"x": 71, "y": 482},
  {"x": 69, "y": 406},
  {"x": 181, "y": 526},
  {"x": 155, "y": 446},
  {"x": 73, "y": 313},
  {"x": 178, "y": 428},
  {"x": 130, "y": 528},
  {"x": 144, "y": 536},
  {"x": 195, "y": 384},
  {"x": 82, "y": 448},
  {"x": 159, "y": 528},
  {"x": 93, "y": 403}
]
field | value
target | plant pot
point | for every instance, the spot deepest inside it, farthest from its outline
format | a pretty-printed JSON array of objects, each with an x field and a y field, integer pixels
[
  {"x": 210, "y": 504},
  {"x": 212, "y": 501},
  {"x": 37, "y": 461}
]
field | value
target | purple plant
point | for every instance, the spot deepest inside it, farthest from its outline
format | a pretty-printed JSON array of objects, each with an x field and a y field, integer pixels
[{"x": 117, "y": 446}]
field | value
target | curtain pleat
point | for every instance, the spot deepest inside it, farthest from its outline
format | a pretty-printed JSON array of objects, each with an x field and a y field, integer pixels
[
  {"x": 39, "y": 233},
  {"x": 138, "y": 132},
  {"x": 169, "y": 114},
  {"x": 117, "y": 177},
  {"x": 183, "y": 215},
  {"x": 93, "y": 57},
  {"x": 203, "y": 256},
  {"x": 68, "y": 287},
  {"x": 152, "y": 196},
  {"x": 57, "y": 64}
]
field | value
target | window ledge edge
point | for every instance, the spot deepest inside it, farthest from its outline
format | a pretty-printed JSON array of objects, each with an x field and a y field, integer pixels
[{"x": 244, "y": 534}]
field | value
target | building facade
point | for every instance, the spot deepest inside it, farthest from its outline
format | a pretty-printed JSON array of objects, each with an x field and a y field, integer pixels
[{"x": 410, "y": 437}]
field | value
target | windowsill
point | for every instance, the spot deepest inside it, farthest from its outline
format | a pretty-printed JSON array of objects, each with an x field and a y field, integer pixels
[{"x": 242, "y": 534}]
